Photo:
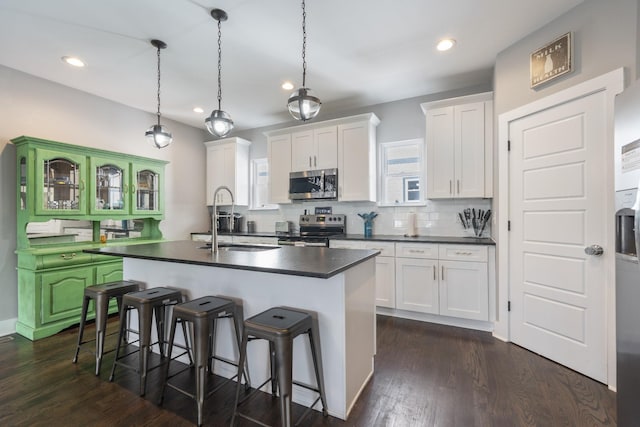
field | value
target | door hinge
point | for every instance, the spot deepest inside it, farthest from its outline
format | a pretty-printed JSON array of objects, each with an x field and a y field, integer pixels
[
  {"x": 508, "y": 145},
  {"x": 508, "y": 225},
  {"x": 508, "y": 305}
]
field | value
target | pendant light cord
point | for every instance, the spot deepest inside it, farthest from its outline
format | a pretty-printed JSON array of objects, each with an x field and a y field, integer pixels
[
  {"x": 219, "y": 65},
  {"x": 158, "y": 113},
  {"x": 304, "y": 45}
]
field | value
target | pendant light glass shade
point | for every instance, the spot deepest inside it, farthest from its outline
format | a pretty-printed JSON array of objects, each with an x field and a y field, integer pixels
[
  {"x": 158, "y": 135},
  {"x": 219, "y": 123},
  {"x": 303, "y": 104}
]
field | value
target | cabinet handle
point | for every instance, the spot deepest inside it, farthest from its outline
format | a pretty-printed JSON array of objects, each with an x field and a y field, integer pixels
[
  {"x": 450, "y": 187},
  {"x": 434, "y": 273},
  {"x": 67, "y": 257},
  {"x": 315, "y": 162},
  {"x": 442, "y": 272},
  {"x": 125, "y": 189},
  {"x": 415, "y": 251},
  {"x": 82, "y": 185},
  {"x": 133, "y": 188},
  {"x": 458, "y": 183},
  {"x": 309, "y": 161}
]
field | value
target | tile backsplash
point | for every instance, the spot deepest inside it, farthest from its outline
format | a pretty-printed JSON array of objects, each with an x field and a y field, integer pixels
[{"x": 436, "y": 218}]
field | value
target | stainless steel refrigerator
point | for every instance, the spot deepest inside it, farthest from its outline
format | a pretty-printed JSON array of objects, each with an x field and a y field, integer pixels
[{"x": 627, "y": 181}]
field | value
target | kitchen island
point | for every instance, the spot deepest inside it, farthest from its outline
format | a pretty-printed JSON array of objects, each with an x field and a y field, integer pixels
[{"x": 339, "y": 284}]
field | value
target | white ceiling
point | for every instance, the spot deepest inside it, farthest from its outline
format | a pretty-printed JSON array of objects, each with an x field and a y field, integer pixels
[{"x": 359, "y": 52}]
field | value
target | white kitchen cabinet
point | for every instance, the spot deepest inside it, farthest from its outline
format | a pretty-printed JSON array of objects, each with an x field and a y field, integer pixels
[
  {"x": 348, "y": 143},
  {"x": 449, "y": 280},
  {"x": 314, "y": 149},
  {"x": 464, "y": 289},
  {"x": 228, "y": 165},
  {"x": 357, "y": 160},
  {"x": 459, "y": 140},
  {"x": 385, "y": 268},
  {"x": 417, "y": 277},
  {"x": 279, "y": 158}
]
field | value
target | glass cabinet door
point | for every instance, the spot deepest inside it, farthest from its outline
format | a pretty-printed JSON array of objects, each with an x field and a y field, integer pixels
[
  {"x": 109, "y": 187},
  {"x": 60, "y": 183},
  {"x": 147, "y": 190}
]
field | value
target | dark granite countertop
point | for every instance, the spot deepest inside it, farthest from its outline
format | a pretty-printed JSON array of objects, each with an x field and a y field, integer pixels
[
  {"x": 421, "y": 239},
  {"x": 384, "y": 238},
  {"x": 306, "y": 261}
]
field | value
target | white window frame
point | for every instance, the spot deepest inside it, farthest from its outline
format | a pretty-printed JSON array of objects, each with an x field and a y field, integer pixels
[
  {"x": 383, "y": 173},
  {"x": 255, "y": 165}
]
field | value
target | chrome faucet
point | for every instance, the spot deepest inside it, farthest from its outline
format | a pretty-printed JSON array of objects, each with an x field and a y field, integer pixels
[{"x": 214, "y": 213}]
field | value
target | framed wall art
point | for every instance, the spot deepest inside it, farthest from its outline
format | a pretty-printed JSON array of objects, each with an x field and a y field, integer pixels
[{"x": 551, "y": 61}]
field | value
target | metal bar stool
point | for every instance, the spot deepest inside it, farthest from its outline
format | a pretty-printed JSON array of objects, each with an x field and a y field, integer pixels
[
  {"x": 101, "y": 295},
  {"x": 280, "y": 325},
  {"x": 148, "y": 302},
  {"x": 203, "y": 314}
]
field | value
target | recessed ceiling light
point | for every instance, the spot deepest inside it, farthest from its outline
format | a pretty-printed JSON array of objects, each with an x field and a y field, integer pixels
[
  {"x": 287, "y": 85},
  {"x": 198, "y": 110},
  {"x": 74, "y": 61},
  {"x": 445, "y": 44}
]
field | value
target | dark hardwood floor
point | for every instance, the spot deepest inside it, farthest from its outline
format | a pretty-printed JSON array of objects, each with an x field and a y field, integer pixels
[{"x": 426, "y": 375}]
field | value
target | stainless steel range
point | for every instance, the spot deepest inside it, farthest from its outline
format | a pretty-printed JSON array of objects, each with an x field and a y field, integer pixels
[{"x": 315, "y": 230}]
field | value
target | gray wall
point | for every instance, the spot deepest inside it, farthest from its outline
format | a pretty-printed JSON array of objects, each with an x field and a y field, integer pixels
[
  {"x": 399, "y": 120},
  {"x": 605, "y": 38},
  {"x": 36, "y": 107}
]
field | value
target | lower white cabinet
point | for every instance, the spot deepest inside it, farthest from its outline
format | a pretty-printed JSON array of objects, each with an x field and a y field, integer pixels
[
  {"x": 385, "y": 268},
  {"x": 464, "y": 289},
  {"x": 438, "y": 279},
  {"x": 417, "y": 285},
  {"x": 443, "y": 279}
]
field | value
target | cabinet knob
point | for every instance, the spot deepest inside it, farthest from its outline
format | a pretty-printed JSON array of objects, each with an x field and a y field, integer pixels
[{"x": 67, "y": 256}]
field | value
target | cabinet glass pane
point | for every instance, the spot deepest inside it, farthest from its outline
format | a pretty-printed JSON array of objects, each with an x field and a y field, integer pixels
[
  {"x": 109, "y": 188},
  {"x": 147, "y": 191},
  {"x": 23, "y": 183},
  {"x": 61, "y": 185}
]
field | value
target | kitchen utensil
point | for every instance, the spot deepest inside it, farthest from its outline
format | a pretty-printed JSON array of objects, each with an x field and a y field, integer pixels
[{"x": 251, "y": 226}]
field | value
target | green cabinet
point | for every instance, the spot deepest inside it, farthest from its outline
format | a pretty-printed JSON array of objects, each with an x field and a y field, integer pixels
[
  {"x": 51, "y": 288},
  {"x": 108, "y": 193}
]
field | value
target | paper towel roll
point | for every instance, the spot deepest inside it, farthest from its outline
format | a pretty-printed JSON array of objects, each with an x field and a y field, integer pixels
[{"x": 411, "y": 225}]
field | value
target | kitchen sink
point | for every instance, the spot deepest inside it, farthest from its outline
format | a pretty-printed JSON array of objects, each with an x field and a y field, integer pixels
[{"x": 241, "y": 248}]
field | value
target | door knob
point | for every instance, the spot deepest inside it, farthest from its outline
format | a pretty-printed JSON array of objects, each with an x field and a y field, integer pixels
[{"x": 595, "y": 250}]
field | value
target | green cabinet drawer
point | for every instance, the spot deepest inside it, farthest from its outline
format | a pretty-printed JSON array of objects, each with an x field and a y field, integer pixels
[{"x": 65, "y": 259}]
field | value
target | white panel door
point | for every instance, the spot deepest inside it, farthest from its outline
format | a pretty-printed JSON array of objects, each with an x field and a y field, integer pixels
[
  {"x": 464, "y": 290},
  {"x": 302, "y": 151},
  {"x": 557, "y": 209},
  {"x": 326, "y": 147},
  {"x": 279, "y": 155}
]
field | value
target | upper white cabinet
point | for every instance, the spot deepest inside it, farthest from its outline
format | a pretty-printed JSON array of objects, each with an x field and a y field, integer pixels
[
  {"x": 459, "y": 141},
  {"x": 314, "y": 149},
  {"x": 357, "y": 160},
  {"x": 279, "y": 158},
  {"x": 228, "y": 165},
  {"x": 348, "y": 143}
]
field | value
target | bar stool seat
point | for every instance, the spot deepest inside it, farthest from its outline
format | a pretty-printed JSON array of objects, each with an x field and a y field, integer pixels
[
  {"x": 280, "y": 325},
  {"x": 148, "y": 302},
  {"x": 101, "y": 295},
  {"x": 203, "y": 313}
]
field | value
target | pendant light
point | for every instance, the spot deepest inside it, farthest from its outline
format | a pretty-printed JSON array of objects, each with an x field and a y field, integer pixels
[
  {"x": 303, "y": 104},
  {"x": 219, "y": 123},
  {"x": 157, "y": 134}
]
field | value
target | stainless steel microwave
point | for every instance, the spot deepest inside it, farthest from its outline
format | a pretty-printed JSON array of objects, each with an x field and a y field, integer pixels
[{"x": 312, "y": 185}]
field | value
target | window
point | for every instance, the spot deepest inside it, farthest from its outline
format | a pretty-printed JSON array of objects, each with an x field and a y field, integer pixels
[
  {"x": 401, "y": 172},
  {"x": 260, "y": 185}
]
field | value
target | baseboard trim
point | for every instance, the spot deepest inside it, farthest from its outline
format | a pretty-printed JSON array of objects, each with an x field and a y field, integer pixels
[{"x": 8, "y": 326}]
